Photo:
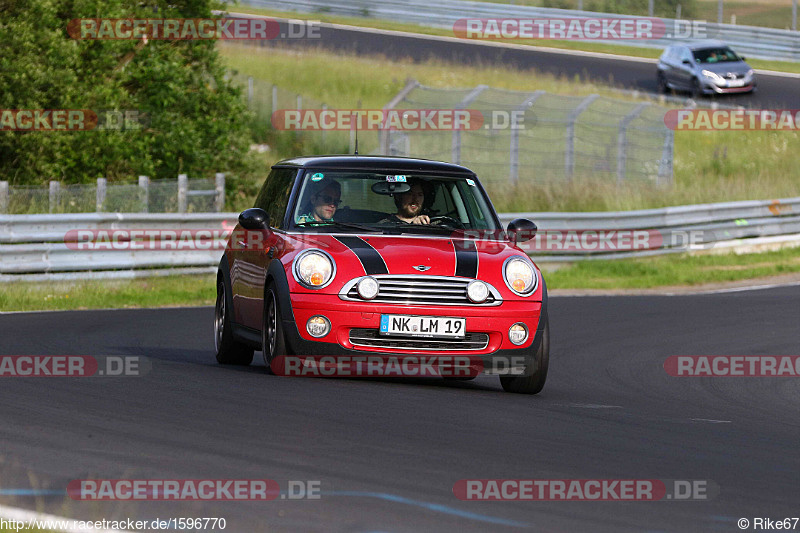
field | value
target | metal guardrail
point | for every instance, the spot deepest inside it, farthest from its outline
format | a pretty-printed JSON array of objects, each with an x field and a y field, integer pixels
[
  {"x": 35, "y": 247},
  {"x": 763, "y": 43}
]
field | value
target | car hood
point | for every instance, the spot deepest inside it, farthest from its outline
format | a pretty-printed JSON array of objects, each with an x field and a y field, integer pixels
[
  {"x": 735, "y": 67},
  {"x": 357, "y": 255}
]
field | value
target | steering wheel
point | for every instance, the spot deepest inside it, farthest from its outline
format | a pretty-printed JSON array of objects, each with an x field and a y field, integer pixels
[{"x": 446, "y": 221}]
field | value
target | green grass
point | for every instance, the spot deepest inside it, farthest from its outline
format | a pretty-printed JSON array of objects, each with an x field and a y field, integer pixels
[
  {"x": 103, "y": 294},
  {"x": 673, "y": 270},
  {"x": 607, "y": 48},
  {"x": 708, "y": 166},
  {"x": 766, "y": 14}
]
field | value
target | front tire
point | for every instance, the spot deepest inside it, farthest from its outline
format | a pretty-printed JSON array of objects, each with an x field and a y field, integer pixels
[
  {"x": 229, "y": 351},
  {"x": 697, "y": 91},
  {"x": 273, "y": 341},
  {"x": 533, "y": 381}
]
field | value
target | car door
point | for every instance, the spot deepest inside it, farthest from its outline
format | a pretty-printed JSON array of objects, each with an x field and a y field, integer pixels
[
  {"x": 684, "y": 72},
  {"x": 253, "y": 251}
]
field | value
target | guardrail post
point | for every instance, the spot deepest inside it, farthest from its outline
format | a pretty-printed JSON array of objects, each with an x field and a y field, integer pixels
[
  {"x": 513, "y": 164},
  {"x": 3, "y": 197},
  {"x": 55, "y": 190},
  {"x": 219, "y": 187},
  {"x": 569, "y": 152},
  {"x": 622, "y": 140},
  {"x": 183, "y": 189},
  {"x": 144, "y": 193},
  {"x": 100, "y": 197},
  {"x": 456, "y": 145}
]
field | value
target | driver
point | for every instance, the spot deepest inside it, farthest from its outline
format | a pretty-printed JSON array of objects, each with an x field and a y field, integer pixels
[{"x": 410, "y": 205}]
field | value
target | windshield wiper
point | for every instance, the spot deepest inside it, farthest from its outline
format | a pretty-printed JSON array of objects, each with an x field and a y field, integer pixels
[{"x": 336, "y": 223}]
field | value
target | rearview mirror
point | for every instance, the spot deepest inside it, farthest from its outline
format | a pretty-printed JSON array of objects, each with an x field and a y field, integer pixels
[
  {"x": 521, "y": 230},
  {"x": 391, "y": 187}
]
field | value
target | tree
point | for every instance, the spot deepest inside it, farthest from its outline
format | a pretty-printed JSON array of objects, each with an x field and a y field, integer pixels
[{"x": 192, "y": 120}]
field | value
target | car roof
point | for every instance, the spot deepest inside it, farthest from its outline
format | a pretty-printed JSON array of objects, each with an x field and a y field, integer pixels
[
  {"x": 699, "y": 45},
  {"x": 368, "y": 162}
]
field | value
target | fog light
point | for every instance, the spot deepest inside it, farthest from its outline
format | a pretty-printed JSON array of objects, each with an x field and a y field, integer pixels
[
  {"x": 318, "y": 326},
  {"x": 477, "y": 292},
  {"x": 518, "y": 333},
  {"x": 368, "y": 288}
]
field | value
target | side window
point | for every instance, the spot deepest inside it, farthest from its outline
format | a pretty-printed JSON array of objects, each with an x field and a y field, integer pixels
[{"x": 274, "y": 195}]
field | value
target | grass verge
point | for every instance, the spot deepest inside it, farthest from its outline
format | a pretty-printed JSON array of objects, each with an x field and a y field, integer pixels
[
  {"x": 666, "y": 271},
  {"x": 773, "y": 16},
  {"x": 166, "y": 291},
  {"x": 708, "y": 166}
]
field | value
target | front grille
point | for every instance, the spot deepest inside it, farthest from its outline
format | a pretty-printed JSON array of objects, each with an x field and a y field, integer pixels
[
  {"x": 419, "y": 290},
  {"x": 373, "y": 339}
]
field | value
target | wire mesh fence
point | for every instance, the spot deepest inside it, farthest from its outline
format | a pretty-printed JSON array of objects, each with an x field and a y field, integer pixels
[
  {"x": 539, "y": 137},
  {"x": 184, "y": 195}
]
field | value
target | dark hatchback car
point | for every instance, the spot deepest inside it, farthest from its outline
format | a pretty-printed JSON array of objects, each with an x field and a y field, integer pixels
[
  {"x": 381, "y": 256},
  {"x": 704, "y": 68}
]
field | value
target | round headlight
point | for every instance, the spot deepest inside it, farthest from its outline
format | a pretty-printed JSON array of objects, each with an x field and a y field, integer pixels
[
  {"x": 518, "y": 333},
  {"x": 477, "y": 291},
  {"x": 314, "y": 269},
  {"x": 318, "y": 326},
  {"x": 368, "y": 288},
  {"x": 520, "y": 276}
]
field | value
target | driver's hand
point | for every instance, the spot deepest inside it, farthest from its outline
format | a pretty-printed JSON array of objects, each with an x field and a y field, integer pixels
[{"x": 421, "y": 219}]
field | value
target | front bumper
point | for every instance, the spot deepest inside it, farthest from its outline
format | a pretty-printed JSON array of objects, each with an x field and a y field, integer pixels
[{"x": 715, "y": 87}]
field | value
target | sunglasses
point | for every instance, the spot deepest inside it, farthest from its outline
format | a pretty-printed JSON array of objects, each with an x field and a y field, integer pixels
[{"x": 330, "y": 200}]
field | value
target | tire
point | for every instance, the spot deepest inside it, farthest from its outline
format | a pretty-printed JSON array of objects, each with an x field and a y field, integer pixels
[
  {"x": 273, "y": 341},
  {"x": 662, "y": 84},
  {"x": 696, "y": 91},
  {"x": 229, "y": 351},
  {"x": 533, "y": 383}
]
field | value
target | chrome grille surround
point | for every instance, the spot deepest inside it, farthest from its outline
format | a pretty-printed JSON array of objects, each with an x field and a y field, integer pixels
[
  {"x": 371, "y": 338},
  {"x": 412, "y": 289}
]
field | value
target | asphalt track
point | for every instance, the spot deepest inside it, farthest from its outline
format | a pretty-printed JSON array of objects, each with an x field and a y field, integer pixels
[
  {"x": 774, "y": 91},
  {"x": 387, "y": 453}
]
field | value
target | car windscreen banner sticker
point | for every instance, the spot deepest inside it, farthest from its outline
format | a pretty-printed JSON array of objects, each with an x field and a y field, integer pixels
[
  {"x": 371, "y": 260},
  {"x": 466, "y": 258}
]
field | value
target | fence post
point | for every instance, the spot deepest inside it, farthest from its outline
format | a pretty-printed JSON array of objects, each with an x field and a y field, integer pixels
[
  {"x": 55, "y": 190},
  {"x": 569, "y": 152},
  {"x": 622, "y": 140},
  {"x": 513, "y": 164},
  {"x": 794, "y": 15},
  {"x": 183, "y": 189},
  {"x": 3, "y": 197},
  {"x": 100, "y": 197},
  {"x": 274, "y": 99},
  {"x": 219, "y": 187},
  {"x": 665, "y": 166},
  {"x": 456, "y": 145},
  {"x": 144, "y": 193},
  {"x": 399, "y": 97}
]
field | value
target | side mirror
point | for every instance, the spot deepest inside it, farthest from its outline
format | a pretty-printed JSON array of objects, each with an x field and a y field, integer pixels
[
  {"x": 742, "y": 58},
  {"x": 521, "y": 230},
  {"x": 254, "y": 218},
  {"x": 686, "y": 62}
]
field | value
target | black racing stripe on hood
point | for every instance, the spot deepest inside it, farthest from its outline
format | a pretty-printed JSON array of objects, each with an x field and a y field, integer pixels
[
  {"x": 466, "y": 259},
  {"x": 370, "y": 259}
]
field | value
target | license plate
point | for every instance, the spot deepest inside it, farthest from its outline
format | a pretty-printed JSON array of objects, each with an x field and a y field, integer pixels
[
  {"x": 736, "y": 83},
  {"x": 423, "y": 326}
]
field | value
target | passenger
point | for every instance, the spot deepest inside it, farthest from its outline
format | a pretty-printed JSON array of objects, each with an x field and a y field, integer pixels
[{"x": 325, "y": 199}]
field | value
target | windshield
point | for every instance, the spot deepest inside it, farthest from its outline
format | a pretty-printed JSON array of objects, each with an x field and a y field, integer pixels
[
  {"x": 715, "y": 55},
  {"x": 336, "y": 201}
]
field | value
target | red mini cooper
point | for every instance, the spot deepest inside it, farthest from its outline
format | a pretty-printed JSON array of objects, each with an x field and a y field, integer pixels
[{"x": 346, "y": 256}]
